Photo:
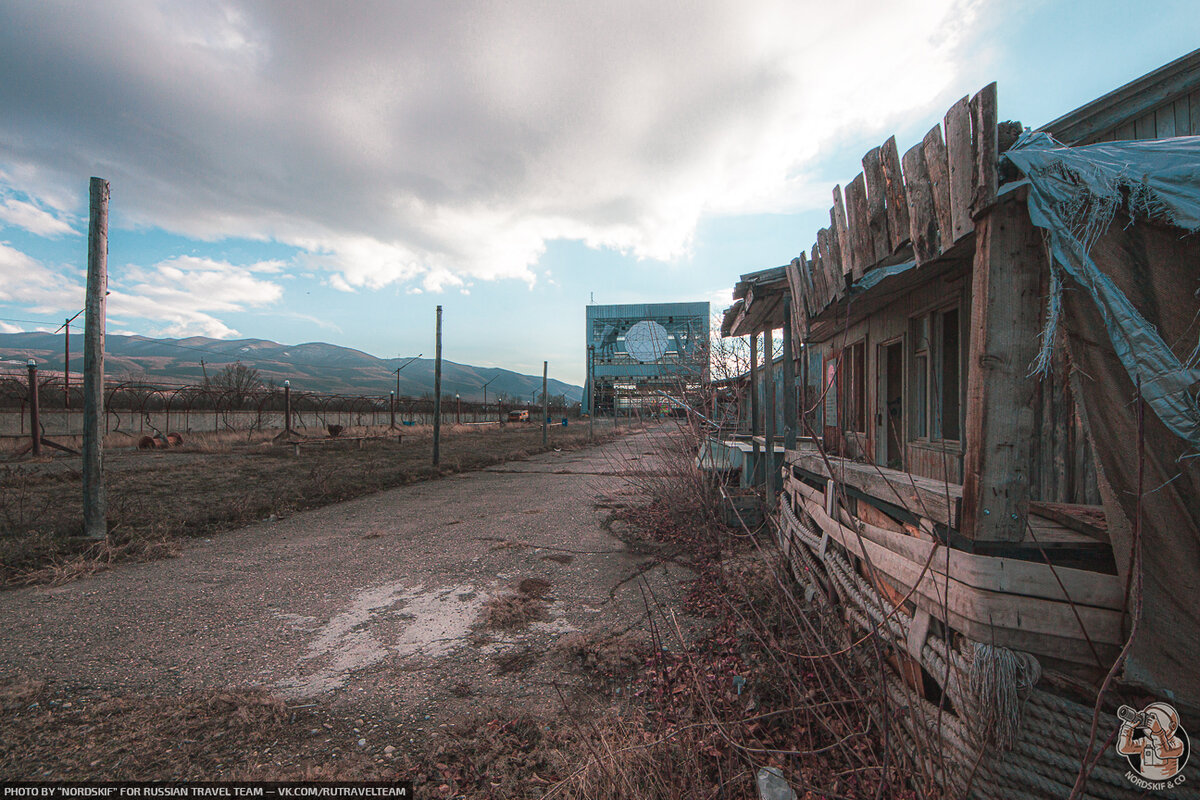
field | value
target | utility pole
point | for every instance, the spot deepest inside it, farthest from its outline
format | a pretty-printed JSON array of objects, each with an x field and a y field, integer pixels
[
  {"x": 437, "y": 390},
  {"x": 287, "y": 407},
  {"x": 392, "y": 411},
  {"x": 95, "y": 522},
  {"x": 66, "y": 329},
  {"x": 545, "y": 403},
  {"x": 35, "y": 425}
]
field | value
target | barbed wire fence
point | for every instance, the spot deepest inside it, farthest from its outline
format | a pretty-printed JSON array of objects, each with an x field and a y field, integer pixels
[{"x": 157, "y": 408}]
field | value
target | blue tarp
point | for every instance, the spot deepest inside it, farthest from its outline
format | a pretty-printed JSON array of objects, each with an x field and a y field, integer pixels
[
  {"x": 1075, "y": 192},
  {"x": 873, "y": 278}
]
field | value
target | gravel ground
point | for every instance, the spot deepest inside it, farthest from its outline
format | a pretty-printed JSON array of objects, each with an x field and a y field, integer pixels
[{"x": 376, "y": 607}]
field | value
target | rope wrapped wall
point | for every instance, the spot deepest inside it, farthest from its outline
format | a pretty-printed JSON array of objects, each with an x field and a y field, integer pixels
[{"x": 1010, "y": 739}]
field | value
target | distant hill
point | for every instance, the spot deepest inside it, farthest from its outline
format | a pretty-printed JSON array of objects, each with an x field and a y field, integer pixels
[{"x": 315, "y": 366}]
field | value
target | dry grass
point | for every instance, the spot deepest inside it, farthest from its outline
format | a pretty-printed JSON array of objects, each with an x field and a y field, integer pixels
[{"x": 156, "y": 498}]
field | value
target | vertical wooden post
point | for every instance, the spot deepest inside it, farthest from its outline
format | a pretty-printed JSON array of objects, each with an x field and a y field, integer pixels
[
  {"x": 789, "y": 378},
  {"x": 35, "y": 424},
  {"x": 754, "y": 410},
  {"x": 95, "y": 523},
  {"x": 1010, "y": 258},
  {"x": 67, "y": 368},
  {"x": 437, "y": 390},
  {"x": 287, "y": 407},
  {"x": 772, "y": 477},
  {"x": 545, "y": 402}
]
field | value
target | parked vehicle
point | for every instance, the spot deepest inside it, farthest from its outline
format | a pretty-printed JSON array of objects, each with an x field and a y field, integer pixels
[{"x": 518, "y": 416}]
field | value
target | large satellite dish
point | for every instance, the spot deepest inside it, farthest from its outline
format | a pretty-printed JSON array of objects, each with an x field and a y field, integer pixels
[{"x": 647, "y": 341}]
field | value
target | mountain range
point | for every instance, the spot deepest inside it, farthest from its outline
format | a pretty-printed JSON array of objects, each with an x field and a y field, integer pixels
[{"x": 315, "y": 366}]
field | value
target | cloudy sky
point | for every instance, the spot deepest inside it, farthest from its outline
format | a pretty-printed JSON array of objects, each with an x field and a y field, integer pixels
[{"x": 303, "y": 171}]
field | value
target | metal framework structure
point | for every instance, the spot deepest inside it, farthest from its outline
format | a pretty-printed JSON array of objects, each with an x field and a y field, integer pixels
[{"x": 636, "y": 353}]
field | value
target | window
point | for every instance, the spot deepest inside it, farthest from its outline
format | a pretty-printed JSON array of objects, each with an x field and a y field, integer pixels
[
  {"x": 949, "y": 374},
  {"x": 854, "y": 381},
  {"x": 936, "y": 376}
]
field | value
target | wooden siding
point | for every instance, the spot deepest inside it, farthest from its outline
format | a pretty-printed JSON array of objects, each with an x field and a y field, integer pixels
[{"x": 1178, "y": 117}]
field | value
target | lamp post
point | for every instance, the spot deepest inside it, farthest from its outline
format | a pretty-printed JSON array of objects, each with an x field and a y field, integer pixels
[
  {"x": 457, "y": 409},
  {"x": 484, "y": 387},
  {"x": 392, "y": 410}
]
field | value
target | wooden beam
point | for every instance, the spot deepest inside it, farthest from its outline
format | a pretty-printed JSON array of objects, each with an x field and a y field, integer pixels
[
  {"x": 983, "y": 121},
  {"x": 939, "y": 182},
  {"x": 1010, "y": 259},
  {"x": 818, "y": 284},
  {"x": 858, "y": 221},
  {"x": 897, "y": 202},
  {"x": 843, "y": 232},
  {"x": 95, "y": 503},
  {"x": 810, "y": 291},
  {"x": 877, "y": 216},
  {"x": 922, "y": 215},
  {"x": 960, "y": 157},
  {"x": 921, "y": 496}
]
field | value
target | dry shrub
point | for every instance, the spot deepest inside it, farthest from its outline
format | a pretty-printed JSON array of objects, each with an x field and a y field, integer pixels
[
  {"x": 606, "y": 652},
  {"x": 534, "y": 587},
  {"x": 514, "y": 611}
]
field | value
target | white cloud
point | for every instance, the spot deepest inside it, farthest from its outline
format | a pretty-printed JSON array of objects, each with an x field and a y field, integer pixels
[
  {"x": 442, "y": 143},
  {"x": 7, "y": 328},
  {"x": 181, "y": 294},
  {"x": 36, "y": 220},
  {"x": 178, "y": 296}
]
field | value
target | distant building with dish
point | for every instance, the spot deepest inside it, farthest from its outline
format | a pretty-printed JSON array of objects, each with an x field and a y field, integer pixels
[{"x": 640, "y": 355}]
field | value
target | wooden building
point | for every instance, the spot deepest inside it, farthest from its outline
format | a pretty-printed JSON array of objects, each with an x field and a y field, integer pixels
[{"x": 997, "y": 361}]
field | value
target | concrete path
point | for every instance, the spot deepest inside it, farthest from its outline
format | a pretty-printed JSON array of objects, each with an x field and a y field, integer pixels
[{"x": 374, "y": 602}]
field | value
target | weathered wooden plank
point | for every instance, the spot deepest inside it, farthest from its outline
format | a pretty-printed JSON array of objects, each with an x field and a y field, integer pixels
[
  {"x": 1124, "y": 133},
  {"x": 816, "y": 281},
  {"x": 810, "y": 295},
  {"x": 960, "y": 158},
  {"x": 1145, "y": 127},
  {"x": 833, "y": 273},
  {"x": 1005, "y": 320},
  {"x": 1194, "y": 111},
  {"x": 939, "y": 182},
  {"x": 983, "y": 122},
  {"x": 1182, "y": 122},
  {"x": 876, "y": 206},
  {"x": 922, "y": 216},
  {"x": 978, "y": 614},
  {"x": 835, "y": 245},
  {"x": 897, "y": 202},
  {"x": 991, "y": 573},
  {"x": 818, "y": 270},
  {"x": 936, "y": 500},
  {"x": 859, "y": 227},
  {"x": 1164, "y": 122},
  {"x": 843, "y": 232},
  {"x": 796, "y": 307}
]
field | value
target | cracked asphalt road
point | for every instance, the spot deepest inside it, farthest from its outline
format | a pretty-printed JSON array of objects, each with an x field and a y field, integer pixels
[{"x": 374, "y": 602}]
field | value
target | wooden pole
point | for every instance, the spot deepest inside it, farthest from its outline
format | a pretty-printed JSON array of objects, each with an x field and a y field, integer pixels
[
  {"x": 95, "y": 523},
  {"x": 35, "y": 425},
  {"x": 392, "y": 411},
  {"x": 754, "y": 415},
  {"x": 1010, "y": 259},
  {"x": 771, "y": 476},
  {"x": 67, "y": 367},
  {"x": 789, "y": 378},
  {"x": 545, "y": 403},
  {"x": 287, "y": 407},
  {"x": 437, "y": 390}
]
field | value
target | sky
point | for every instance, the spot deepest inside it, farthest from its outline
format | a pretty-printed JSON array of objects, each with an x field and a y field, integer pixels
[{"x": 304, "y": 171}]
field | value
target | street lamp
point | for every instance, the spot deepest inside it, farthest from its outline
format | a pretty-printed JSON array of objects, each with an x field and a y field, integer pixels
[{"x": 457, "y": 409}]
